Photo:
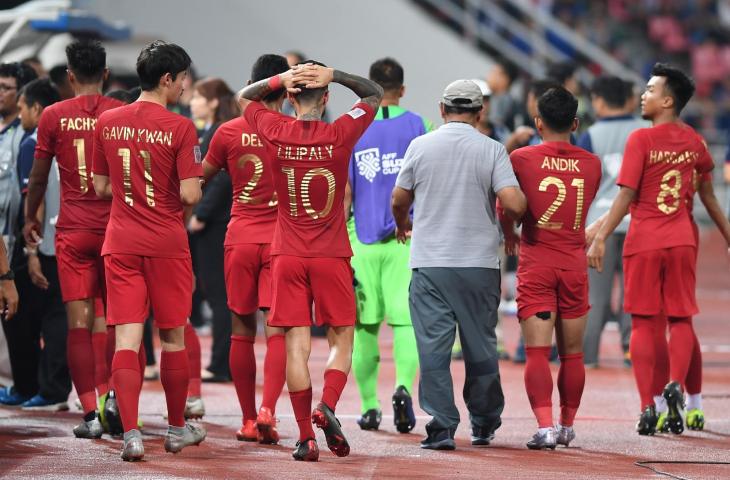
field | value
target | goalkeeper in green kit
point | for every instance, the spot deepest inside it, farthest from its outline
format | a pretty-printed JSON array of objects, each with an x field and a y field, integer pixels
[{"x": 382, "y": 273}]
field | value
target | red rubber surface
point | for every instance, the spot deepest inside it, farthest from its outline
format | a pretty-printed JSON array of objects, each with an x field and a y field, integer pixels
[{"x": 41, "y": 444}]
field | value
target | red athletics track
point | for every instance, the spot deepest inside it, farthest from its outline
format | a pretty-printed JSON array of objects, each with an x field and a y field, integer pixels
[{"x": 42, "y": 445}]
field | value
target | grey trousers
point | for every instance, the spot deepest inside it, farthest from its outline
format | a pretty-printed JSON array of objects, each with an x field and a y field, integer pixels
[
  {"x": 443, "y": 300},
  {"x": 601, "y": 289}
]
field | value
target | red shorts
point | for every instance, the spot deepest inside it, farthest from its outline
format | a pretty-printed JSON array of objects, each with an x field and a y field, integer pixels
[
  {"x": 80, "y": 265},
  {"x": 545, "y": 289},
  {"x": 661, "y": 280},
  {"x": 98, "y": 307},
  {"x": 248, "y": 277},
  {"x": 297, "y": 281},
  {"x": 135, "y": 283}
]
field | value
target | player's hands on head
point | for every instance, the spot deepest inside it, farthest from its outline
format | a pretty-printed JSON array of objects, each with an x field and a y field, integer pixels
[
  {"x": 596, "y": 253},
  {"x": 36, "y": 273},
  {"x": 312, "y": 76},
  {"x": 32, "y": 233}
]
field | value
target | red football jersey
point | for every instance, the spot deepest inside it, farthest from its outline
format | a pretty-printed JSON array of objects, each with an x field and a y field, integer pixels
[
  {"x": 560, "y": 182},
  {"x": 146, "y": 150},
  {"x": 311, "y": 160},
  {"x": 659, "y": 163},
  {"x": 66, "y": 131},
  {"x": 237, "y": 147}
]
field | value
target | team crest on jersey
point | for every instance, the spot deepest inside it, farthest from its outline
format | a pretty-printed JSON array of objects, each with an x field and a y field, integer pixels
[
  {"x": 368, "y": 163},
  {"x": 198, "y": 155}
]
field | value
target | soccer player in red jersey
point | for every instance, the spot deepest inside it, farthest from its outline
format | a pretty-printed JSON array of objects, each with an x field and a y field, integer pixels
[
  {"x": 238, "y": 148},
  {"x": 560, "y": 181},
  {"x": 310, "y": 249},
  {"x": 147, "y": 160},
  {"x": 660, "y": 249},
  {"x": 66, "y": 132}
]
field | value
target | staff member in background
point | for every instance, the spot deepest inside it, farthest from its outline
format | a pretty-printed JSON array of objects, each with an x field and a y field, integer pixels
[
  {"x": 212, "y": 104},
  {"x": 454, "y": 175}
]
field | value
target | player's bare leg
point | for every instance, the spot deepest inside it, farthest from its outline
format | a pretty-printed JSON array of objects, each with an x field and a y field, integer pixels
[
  {"x": 572, "y": 375},
  {"x": 335, "y": 377},
  {"x": 537, "y": 331},
  {"x": 80, "y": 353},
  {"x": 299, "y": 383}
]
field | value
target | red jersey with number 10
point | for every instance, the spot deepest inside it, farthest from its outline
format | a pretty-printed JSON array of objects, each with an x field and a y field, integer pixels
[
  {"x": 146, "y": 150},
  {"x": 659, "y": 164},
  {"x": 311, "y": 161},
  {"x": 66, "y": 131},
  {"x": 560, "y": 182},
  {"x": 237, "y": 147}
]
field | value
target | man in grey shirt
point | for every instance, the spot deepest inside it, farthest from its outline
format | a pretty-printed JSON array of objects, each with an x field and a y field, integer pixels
[
  {"x": 612, "y": 104},
  {"x": 453, "y": 175}
]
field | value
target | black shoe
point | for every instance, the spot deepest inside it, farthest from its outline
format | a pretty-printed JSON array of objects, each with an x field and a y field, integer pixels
[
  {"x": 324, "y": 418},
  {"x": 481, "y": 436},
  {"x": 111, "y": 415},
  {"x": 647, "y": 421},
  {"x": 307, "y": 450},
  {"x": 370, "y": 420},
  {"x": 675, "y": 403},
  {"x": 404, "y": 417},
  {"x": 438, "y": 438}
]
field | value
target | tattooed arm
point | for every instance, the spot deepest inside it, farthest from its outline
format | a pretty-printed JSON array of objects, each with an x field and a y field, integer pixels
[
  {"x": 369, "y": 92},
  {"x": 255, "y": 92}
]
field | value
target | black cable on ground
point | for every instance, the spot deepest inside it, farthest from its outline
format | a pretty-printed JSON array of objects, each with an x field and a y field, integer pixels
[{"x": 648, "y": 465}]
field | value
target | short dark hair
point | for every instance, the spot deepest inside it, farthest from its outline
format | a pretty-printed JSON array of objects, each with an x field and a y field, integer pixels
[
  {"x": 612, "y": 90},
  {"x": 157, "y": 59},
  {"x": 40, "y": 91},
  {"x": 509, "y": 69},
  {"x": 539, "y": 87},
  {"x": 557, "y": 108},
  {"x": 58, "y": 74},
  {"x": 266, "y": 66},
  {"x": 22, "y": 73},
  {"x": 310, "y": 94},
  {"x": 119, "y": 94},
  {"x": 449, "y": 110},
  {"x": 681, "y": 87},
  {"x": 387, "y": 73},
  {"x": 562, "y": 71},
  {"x": 87, "y": 60}
]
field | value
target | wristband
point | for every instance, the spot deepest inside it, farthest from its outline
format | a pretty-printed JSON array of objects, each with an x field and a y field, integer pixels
[{"x": 275, "y": 83}]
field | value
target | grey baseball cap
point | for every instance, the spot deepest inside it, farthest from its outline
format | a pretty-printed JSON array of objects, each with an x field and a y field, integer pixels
[{"x": 463, "y": 93}]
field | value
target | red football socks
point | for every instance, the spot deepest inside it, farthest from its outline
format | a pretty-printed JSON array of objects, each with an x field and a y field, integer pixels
[
  {"x": 661, "y": 356},
  {"x": 681, "y": 346},
  {"x": 334, "y": 384},
  {"x": 174, "y": 377},
  {"x": 274, "y": 371},
  {"x": 79, "y": 355},
  {"x": 128, "y": 384},
  {"x": 192, "y": 345},
  {"x": 539, "y": 384},
  {"x": 101, "y": 368},
  {"x": 242, "y": 362},
  {"x": 301, "y": 403},
  {"x": 693, "y": 385},
  {"x": 142, "y": 359},
  {"x": 641, "y": 347},
  {"x": 111, "y": 341},
  {"x": 571, "y": 380}
]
